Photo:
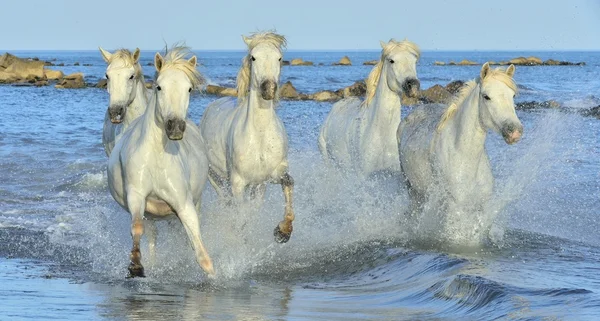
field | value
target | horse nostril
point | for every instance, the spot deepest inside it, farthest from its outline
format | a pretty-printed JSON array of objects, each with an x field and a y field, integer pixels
[
  {"x": 169, "y": 125},
  {"x": 182, "y": 126},
  {"x": 121, "y": 111}
]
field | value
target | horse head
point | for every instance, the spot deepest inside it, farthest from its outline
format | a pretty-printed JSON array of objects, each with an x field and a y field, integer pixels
[
  {"x": 399, "y": 60},
  {"x": 175, "y": 79},
  {"x": 496, "y": 101},
  {"x": 122, "y": 74}
]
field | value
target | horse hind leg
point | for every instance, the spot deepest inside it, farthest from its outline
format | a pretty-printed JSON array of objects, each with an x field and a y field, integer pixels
[
  {"x": 218, "y": 183},
  {"x": 284, "y": 229}
]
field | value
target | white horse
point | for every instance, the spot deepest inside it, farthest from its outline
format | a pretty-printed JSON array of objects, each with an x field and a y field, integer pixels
[
  {"x": 246, "y": 141},
  {"x": 159, "y": 166},
  {"x": 361, "y": 136},
  {"x": 442, "y": 152},
  {"x": 128, "y": 95}
]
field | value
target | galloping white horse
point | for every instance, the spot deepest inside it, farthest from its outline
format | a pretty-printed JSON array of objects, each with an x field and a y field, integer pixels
[
  {"x": 442, "y": 152},
  {"x": 159, "y": 165},
  {"x": 362, "y": 135},
  {"x": 247, "y": 143},
  {"x": 128, "y": 98}
]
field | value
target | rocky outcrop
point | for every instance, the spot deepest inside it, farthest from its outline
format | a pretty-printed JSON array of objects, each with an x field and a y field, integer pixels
[
  {"x": 357, "y": 89},
  {"x": 345, "y": 61},
  {"x": 72, "y": 81},
  {"x": 325, "y": 95},
  {"x": 370, "y": 62},
  {"x": 454, "y": 86},
  {"x": 463, "y": 62},
  {"x": 53, "y": 74},
  {"x": 14, "y": 69},
  {"x": 300, "y": 62},
  {"x": 435, "y": 94},
  {"x": 220, "y": 91},
  {"x": 520, "y": 61},
  {"x": 288, "y": 91}
]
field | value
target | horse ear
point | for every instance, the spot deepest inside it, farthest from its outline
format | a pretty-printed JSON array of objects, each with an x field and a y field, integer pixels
[
  {"x": 158, "y": 61},
  {"x": 136, "y": 55},
  {"x": 511, "y": 70},
  {"x": 246, "y": 40},
  {"x": 105, "y": 55},
  {"x": 383, "y": 44},
  {"x": 485, "y": 70},
  {"x": 193, "y": 61}
]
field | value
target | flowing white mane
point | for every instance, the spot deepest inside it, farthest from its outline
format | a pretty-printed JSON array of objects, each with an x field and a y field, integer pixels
[
  {"x": 497, "y": 74},
  {"x": 243, "y": 76},
  {"x": 176, "y": 58},
  {"x": 375, "y": 74}
]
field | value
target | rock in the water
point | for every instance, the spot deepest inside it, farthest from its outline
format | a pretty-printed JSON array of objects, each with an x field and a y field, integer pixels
[
  {"x": 463, "y": 62},
  {"x": 220, "y": 91},
  {"x": 439, "y": 63},
  {"x": 370, "y": 62},
  {"x": 76, "y": 64},
  {"x": 300, "y": 62},
  {"x": 288, "y": 91},
  {"x": 325, "y": 95},
  {"x": 454, "y": 86},
  {"x": 357, "y": 89},
  {"x": 529, "y": 61},
  {"x": 15, "y": 69},
  {"x": 435, "y": 94},
  {"x": 345, "y": 61},
  {"x": 103, "y": 83},
  {"x": 72, "y": 81},
  {"x": 285, "y": 62},
  {"x": 53, "y": 74},
  {"x": 593, "y": 112}
]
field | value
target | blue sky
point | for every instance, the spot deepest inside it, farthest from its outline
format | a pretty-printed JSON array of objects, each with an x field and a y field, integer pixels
[{"x": 308, "y": 24}]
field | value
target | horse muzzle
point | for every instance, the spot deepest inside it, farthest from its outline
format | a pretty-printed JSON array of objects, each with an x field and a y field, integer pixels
[
  {"x": 116, "y": 114},
  {"x": 512, "y": 133},
  {"x": 411, "y": 87},
  {"x": 268, "y": 88},
  {"x": 175, "y": 128}
]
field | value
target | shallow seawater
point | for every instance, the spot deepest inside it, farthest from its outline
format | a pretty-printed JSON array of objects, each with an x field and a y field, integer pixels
[{"x": 64, "y": 242}]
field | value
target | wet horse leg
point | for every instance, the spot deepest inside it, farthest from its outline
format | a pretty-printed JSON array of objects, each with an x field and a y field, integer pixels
[
  {"x": 190, "y": 219},
  {"x": 151, "y": 227},
  {"x": 136, "y": 205},
  {"x": 284, "y": 229}
]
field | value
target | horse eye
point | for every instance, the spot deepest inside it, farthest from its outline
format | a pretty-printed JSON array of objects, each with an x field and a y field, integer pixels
[
  {"x": 279, "y": 58},
  {"x": 131, "y": 77},
  {"x": 391, "y": 61},
  {"x": 253, "y": 59},
  {"x": 190, "y": 90},
  {"x": 158, "y": 88},
  {"x": 106, "y": 75},
  {"x": 486, "y": 97}
]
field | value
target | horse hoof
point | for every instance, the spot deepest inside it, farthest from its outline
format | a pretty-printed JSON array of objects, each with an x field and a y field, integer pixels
[
  {"x": 281, "y": 237},
  {"x": 136, "y": 271}
]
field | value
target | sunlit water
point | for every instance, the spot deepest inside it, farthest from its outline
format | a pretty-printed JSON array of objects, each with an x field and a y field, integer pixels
[{"x": 64, "y": 243}]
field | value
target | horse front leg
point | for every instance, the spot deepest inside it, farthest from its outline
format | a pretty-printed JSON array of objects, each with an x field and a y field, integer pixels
[
  {"x": 136, "y": 204},
  {"x": 151, "y": 227},
  {"x": 284, "y": 229},
  {"x": 190, "y": 220}
]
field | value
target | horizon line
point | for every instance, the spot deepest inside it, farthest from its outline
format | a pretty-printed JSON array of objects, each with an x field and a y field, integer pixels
[{"x": 336, "y": 50}]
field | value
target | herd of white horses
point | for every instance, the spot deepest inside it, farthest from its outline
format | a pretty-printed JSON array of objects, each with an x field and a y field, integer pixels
[{"x": 160, "y": 161}]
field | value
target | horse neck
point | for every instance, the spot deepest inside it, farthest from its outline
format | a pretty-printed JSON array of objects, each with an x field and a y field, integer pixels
[
  {"x": 152, "y": 126},
  {"x": 139, "y": 103},
  {"x": 386, "y": 104},
  {"x": 259, "y": 112},
  {"x": 469, "y": 134}
]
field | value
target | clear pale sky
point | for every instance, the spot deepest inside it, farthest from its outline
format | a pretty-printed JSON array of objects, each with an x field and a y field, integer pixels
[{"x": 308, "y": 24}]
